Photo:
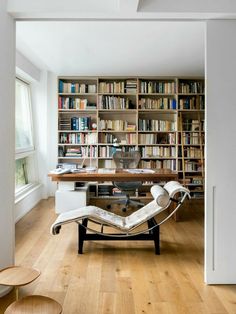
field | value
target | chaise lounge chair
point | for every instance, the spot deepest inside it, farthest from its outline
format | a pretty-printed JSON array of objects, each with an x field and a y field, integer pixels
[{"x": 163, "y": 198}]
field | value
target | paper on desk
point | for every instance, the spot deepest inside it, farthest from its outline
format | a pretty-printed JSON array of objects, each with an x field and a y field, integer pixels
[
  {"x": 106, "y": 170},
  {"x": 140, "y": 171}
]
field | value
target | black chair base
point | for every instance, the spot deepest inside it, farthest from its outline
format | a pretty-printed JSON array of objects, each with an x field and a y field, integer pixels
[
  {"x": 152, "y": 235},
  {"x": 127, "y": 201}
]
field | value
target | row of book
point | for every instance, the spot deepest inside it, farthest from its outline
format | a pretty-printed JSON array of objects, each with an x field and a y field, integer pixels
[
  {"x": 127, "y": 86},
  {"x": 191, "y": 166},
  {"x": 82, "y": 152},
  {"x": 151, "y": 151},
  {"x": 66, "y": 122},
  {"x": 108, "y": 138},
  {"x": 156, "y": 125},
  {"x": 78, "y": 138},
  {"x": 195, "y": 180},
  {"x": 81, "y": 123},
  {"x": 130, "y": 86},
  {"x": 108, "y": 151},
  {"x": 158, "y": 164},
  {"x": 150, "y": 87},
  {"x": 77, "y": 152},
  {"x": 193, "y": 138},
  {"x": 191, "y": 87},
  {"x": 76, "y": 87},
  {"x": 116, "y": 125},
  {"x": 112, "y": 87},
  {"x": 159, "y": 103},
  {"x": 113, "y": 102},
  {"x": 158, "y": 151},
  {"x": 192, "y": 103},
  {"x": 192, "y": 152},
  {"x": 193, "y": 125},
  {"x": 154, "y": 138},
  {"x": 75, "y": 103}
]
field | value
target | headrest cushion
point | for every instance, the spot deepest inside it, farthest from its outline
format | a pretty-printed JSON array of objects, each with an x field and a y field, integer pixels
[{"x": 160, "y": 195}]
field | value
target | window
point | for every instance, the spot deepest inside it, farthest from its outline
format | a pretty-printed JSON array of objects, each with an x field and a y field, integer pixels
[
  {"x": 21, "y": 172},
  {"x": 25, "y": 164},
  {"x": 24, "y": 134}
]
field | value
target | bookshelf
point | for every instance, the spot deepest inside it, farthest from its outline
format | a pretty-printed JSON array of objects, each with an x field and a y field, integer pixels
[
  {"x": 163, "y": 117},
  {"x": 191, "y": 139}
]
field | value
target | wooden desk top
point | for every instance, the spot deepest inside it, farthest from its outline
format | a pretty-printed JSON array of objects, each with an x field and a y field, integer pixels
[{"x": 116, "y": 175}]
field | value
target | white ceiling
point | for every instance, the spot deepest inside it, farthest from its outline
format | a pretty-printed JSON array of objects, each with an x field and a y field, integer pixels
[
  {"x": 122, "y": 9},
  {"x": 114, "y": 47}
]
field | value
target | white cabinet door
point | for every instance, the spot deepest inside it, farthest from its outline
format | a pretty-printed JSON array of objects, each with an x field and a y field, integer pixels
[{"x": 220, "y": 204}]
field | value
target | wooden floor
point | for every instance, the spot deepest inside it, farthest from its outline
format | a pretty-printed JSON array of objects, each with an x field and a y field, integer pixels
[{"x": 119, "y": 277}]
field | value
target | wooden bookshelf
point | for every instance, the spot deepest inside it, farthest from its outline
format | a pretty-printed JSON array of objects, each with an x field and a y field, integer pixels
[
  {"x": 191, "y": 139},
  {"x": 163, "y": 117}
]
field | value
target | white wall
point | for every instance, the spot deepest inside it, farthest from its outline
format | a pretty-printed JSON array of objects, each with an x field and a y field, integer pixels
[
  {"x": 220, "y": 205},
  {"x": 24, "y": 204},
  {"x": 45, "y": 110},
  {"x": 39, "y": 100},
  {"x": 26, "y": 69},
  {"x": 7, "y": 138}
]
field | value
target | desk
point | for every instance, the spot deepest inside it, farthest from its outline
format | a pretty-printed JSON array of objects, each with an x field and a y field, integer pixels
[
  {"x": 116, "y": 175},
  {"x": 66, "y": 182}
]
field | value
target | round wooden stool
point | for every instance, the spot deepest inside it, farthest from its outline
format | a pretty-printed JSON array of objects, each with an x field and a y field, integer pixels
[
  {"x": 17, "y": 276},
  {"x": 34, "y": 304}
]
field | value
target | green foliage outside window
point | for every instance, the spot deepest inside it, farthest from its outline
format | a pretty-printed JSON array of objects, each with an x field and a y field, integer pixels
[{"x": 20, "y": 173}]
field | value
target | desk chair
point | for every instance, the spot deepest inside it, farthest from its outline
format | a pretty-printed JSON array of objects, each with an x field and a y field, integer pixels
[
  {"x": 126, "y": 160},
  {"x": 172, "y": 193}
]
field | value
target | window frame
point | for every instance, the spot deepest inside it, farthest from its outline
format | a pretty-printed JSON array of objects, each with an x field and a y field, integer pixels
[
  {"x": 29, "y": 153},
  {"x": 19, "y": 151}
]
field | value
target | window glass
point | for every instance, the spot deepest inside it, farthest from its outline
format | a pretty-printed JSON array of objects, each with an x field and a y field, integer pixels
[
  {"x": 21, "y": 177},
  {"x": 24, "y": 137}
]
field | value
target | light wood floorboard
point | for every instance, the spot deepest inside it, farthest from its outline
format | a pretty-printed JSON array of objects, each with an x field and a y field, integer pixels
[{"x": 119, "y": 277}]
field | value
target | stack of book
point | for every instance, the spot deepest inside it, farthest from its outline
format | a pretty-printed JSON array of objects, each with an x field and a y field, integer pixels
[
  {"x": 117, "y": 192},
  {"x": 64, "y": 123},
  {"x": 131, "y": 86},
  {"x": 73, "y": 152},
  {"x": 104, "y": 190}
]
